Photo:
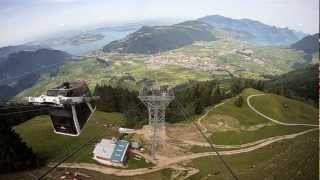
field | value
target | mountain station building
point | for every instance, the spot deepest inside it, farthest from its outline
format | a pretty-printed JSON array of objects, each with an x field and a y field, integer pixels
[{"x": 111, "y": 152}]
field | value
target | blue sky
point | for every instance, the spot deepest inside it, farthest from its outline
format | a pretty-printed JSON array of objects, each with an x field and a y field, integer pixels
[{"x": 24, "y": 20}]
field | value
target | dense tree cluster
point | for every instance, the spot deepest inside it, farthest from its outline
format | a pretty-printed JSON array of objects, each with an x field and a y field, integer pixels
[
  {"x": 193, "y": 96},
  {"x": 301, "y": 84},
  {"x": 14, "y": 153},
  {"x": 117, "y": 99},
  {"x": 15, "y": 114},
  {"x": 238, "y": 84}
]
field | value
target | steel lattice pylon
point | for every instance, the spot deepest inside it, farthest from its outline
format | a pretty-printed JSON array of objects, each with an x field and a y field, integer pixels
[{"x": 156, "y": 98}]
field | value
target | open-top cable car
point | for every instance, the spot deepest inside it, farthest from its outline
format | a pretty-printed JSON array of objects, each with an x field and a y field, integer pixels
[{"x": 70, "y": 105}]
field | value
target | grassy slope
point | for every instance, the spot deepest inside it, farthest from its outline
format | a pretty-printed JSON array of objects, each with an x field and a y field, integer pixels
[
  {"x": 164, "y": 75},
  {"x": 285, "y": 110},
  {"x": 292, "y": 159},
  {"x": 39, "y": 134},
  {"x": 244, "y": 115},
  {"x": 280, "y": 57},
  {"x": 94, "y": 72},
  {"x": 53, "y": 147},
  {"x": 89, "y": 70},
  {"x": 159, "y": 175},
  {"x": 241, "y": 137},
  {"x": 30, "y": 175},
  {"x": 277, "y": 59},
  {"x": 270, "y": 104}
]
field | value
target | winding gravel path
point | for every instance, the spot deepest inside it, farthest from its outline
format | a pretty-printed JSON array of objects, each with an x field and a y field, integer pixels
[
  {"x": 271, "y": 119},
  {"x": 204, "y": 129}
]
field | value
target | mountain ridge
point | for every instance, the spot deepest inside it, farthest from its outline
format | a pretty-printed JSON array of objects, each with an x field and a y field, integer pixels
[
  {"x": 19, "y": 62},
  {"x": 22, "y": 69},
  {"x": 309, "y": 44},
  {"x": 153, "y": 39},
  {"x": 259, "y": 32}
]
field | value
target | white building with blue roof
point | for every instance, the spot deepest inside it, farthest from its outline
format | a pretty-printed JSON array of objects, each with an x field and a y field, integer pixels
[{"x": 111, "y": 152}]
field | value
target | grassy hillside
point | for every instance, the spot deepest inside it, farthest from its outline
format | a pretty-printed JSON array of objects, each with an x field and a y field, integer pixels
[
  {"x": 243, "y": 115},
  {"x": 285, "y": 109},
  {"x": 291, "y": 159},
  {"x": 279, "y": 107},
  {"x": 242, "y": 125},
  {"x": 264, "y": 60},
  {"x": 26, "y": 62},
  {"x": 22, "y": 69},
  {"x": 38, "y": 133},
  {"x": 198, "y": 61},
  {"x": 124, "y": 73},
  {"x": 242, "y": 136}
]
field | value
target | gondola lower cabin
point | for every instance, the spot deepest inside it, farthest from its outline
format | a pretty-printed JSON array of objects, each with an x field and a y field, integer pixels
[{"x": 70, "y": 105}]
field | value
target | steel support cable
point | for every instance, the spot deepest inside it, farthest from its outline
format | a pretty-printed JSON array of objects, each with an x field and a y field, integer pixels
[
  {"x": 32, "y": 110},
  {"x": 6, "y": 102},
  {"x": 76, "y": 150},
  {"x": 15, "y": 106},
  {"x": 210, "y": 144},
  {"x": 67, "y": 157}
]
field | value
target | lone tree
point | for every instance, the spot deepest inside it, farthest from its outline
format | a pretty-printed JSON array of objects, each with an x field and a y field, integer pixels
[{"x": 238, "y": 102}]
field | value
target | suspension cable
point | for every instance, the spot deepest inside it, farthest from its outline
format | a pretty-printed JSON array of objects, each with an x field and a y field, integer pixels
[
  {"x": 206, "y": 138},
  {"x": 32, "y": 110},
  {"x": 67, "y": 157}
]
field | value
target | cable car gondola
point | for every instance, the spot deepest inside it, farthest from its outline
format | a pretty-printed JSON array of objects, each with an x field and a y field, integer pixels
[{"x": 70, "y": 105}]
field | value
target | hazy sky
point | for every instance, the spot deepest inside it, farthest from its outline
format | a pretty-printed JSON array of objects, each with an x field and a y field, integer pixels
[{"x": 23, "y": 20}]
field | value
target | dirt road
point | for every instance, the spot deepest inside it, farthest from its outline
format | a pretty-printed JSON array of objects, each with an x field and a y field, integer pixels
[
  {"x": 204, "y": 129},
  {"x": 271, "y": 119},
  {"x": 167, "y": 162}
]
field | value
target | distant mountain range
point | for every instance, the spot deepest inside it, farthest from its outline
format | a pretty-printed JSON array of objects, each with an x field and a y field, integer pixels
[
  {"x": 153, "y": 39},
  {"x": 83, "y": 41},
  {"x": 254, "y": 31}
]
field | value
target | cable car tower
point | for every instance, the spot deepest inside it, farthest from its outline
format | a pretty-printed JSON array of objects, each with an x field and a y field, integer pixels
[{"x": 156, "y": 98}]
